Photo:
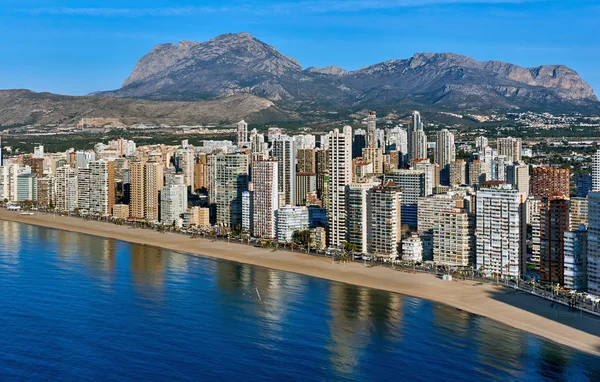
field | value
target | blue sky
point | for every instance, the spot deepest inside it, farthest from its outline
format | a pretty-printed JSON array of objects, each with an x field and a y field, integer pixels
[{"x": 79, "y": 46}]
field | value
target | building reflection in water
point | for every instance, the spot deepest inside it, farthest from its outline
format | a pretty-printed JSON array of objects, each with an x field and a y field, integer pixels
[
  {"x": 148, "y": 269},
  {"x": 357, "y": 315},
  {"x": 272, "y": 294},
  {"x": 500, "y": 348},
  {"x": 10, "y": 245}
]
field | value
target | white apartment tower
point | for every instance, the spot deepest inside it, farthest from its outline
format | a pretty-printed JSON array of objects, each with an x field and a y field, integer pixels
[
  {"x": 501, "y": 231},
  {"x": 356, "y": 214},
  {"x": 65, "y": 189},
  {"x": 596, "y": 172},
  {"x": 265, "y": 177},
  {"x": 444, "y": 148},
  {"x": 173, "y": 200},
  {"x": 340, "y": 175},
  {"x": 384, "y": 220},
  {"x": 510, "y": 148},
  {"x": 242, "y": 133},
  {"x": 285, "y": 153}
]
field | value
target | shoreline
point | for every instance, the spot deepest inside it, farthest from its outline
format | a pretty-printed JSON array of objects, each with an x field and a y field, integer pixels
[{"x": 518, "y": 310}]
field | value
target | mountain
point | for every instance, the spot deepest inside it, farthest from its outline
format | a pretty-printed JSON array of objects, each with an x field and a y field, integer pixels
[
  {"x": 239, "y": 63},
  {"x": 24, "y": 107}
]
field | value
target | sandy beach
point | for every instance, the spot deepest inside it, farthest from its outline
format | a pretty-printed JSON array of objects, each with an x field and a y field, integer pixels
[{"x": 519, "y": 310}]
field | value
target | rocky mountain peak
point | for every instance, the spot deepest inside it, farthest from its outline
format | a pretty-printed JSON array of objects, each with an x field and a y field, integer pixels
[{"x": 240, "y": 63}]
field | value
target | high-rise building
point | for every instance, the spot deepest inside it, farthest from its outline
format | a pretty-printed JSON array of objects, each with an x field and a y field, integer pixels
[
  {"x": 517, "y": 174},
  {"x": 65, "y": 189},
  {"x": 83, "y": 189},
  {"x": 265, "y": 176},
  {"x": 359, "y": 142},
  {"x": 323, "y": 176},
  {"x": 475, "y": 174},
  {"x": 412, "y": 185},
  {"x": 533, "y": 205},
  {"x": 307, "y": 161},
  {"x": 397, "y": 139},
  {"x": 593, "y": 242},
  {"x": 201, "y": 173},
  {"x": 431, "y": 177},
  {"x": 26, "y": 187},
  {"x": 340, "y": 173},
  {"x": 454, "y": 238},
  {"x": 372, "y": 130},
  {"x": 285, "y": 153},
  {"x": 445, "y": 153},
  {"x": 417, "y": 140},
  {"x": 242, "y": 133},
  {"x": 596, "y": 171},
  {"x": 583, "y": 183},
  {"x": 102, "y": 187},
  {"x": 501, "y": 231},
  {"x": 356, "y": 214},
  {"x": 229, "y": 181},
  {"x": 547, "y": 181},
  {"x": 481, "y": 143},
  {"x": 578, "y": 213},
  {"x": 554, "y": 222},
  {"x": 45, "y": 191},
  {"x": 289, "y": 219},
  {"x": 510, "y": 148},
  {"x": 384, "y": 220},
  {"x": 457, "y": 172},
  {"x": 153, "y": 183},
  {"x": 185, "y": 159},
  {"x": 375, "y": 157},
  {"x": 136, "y": 205},
  {"x": 575, "y": 263},
  {"x": 247, "y": 211},
  {"x": 306, "y": 183},
  {"x": 173, "y": 200}
]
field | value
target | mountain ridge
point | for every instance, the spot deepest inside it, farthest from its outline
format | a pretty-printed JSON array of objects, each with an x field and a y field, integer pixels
[{"x": 240, "y": 63}]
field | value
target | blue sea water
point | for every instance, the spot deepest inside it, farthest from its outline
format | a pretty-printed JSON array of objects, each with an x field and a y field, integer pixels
[{"x": 81, "y": 308}]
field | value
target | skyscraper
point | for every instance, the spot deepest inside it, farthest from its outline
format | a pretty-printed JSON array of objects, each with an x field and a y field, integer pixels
[
  {"x": 554, "y": 222},
  {"x": 384, "y": 220},
  {"x": 593, "y": 238},
  {"x": 453, "y": 238},
  {"x": 596, "y": 171},
  {"x": 517, "y": 174},
  {"x": 575, "y": 264},
  {"x": 445, "y": 153},
  {"x": 173, "y": 200},
  {"x": 417, "y": 140},
  {"x": 547, "y": 181},
  {"x": 510, "y": 148},
  {"x": 356, "y": 214},
  {"x": 229, "y": 181},
  {"x": 102, "y": 186},
  {"x": 412, "y": 185},
  {"x": 265, "y": 197},
  {"x": 501, "y": 231},
  {"x": 340, "y": 172},
  {"x": 242, "y": 133},
  {"x": 359, "y": 142},
  {"x": 285, "y": 153},
  {"x": 372, "y": 140}
]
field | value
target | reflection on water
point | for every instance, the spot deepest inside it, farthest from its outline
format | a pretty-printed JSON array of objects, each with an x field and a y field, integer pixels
[{"x": 159, "y": 311}]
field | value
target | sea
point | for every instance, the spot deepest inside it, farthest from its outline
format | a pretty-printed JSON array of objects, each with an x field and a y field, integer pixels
[{"x": 76, "y": 307}]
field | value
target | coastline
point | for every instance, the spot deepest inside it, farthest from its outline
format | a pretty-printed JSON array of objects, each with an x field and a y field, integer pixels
[{"x": 494, "y": 302}]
